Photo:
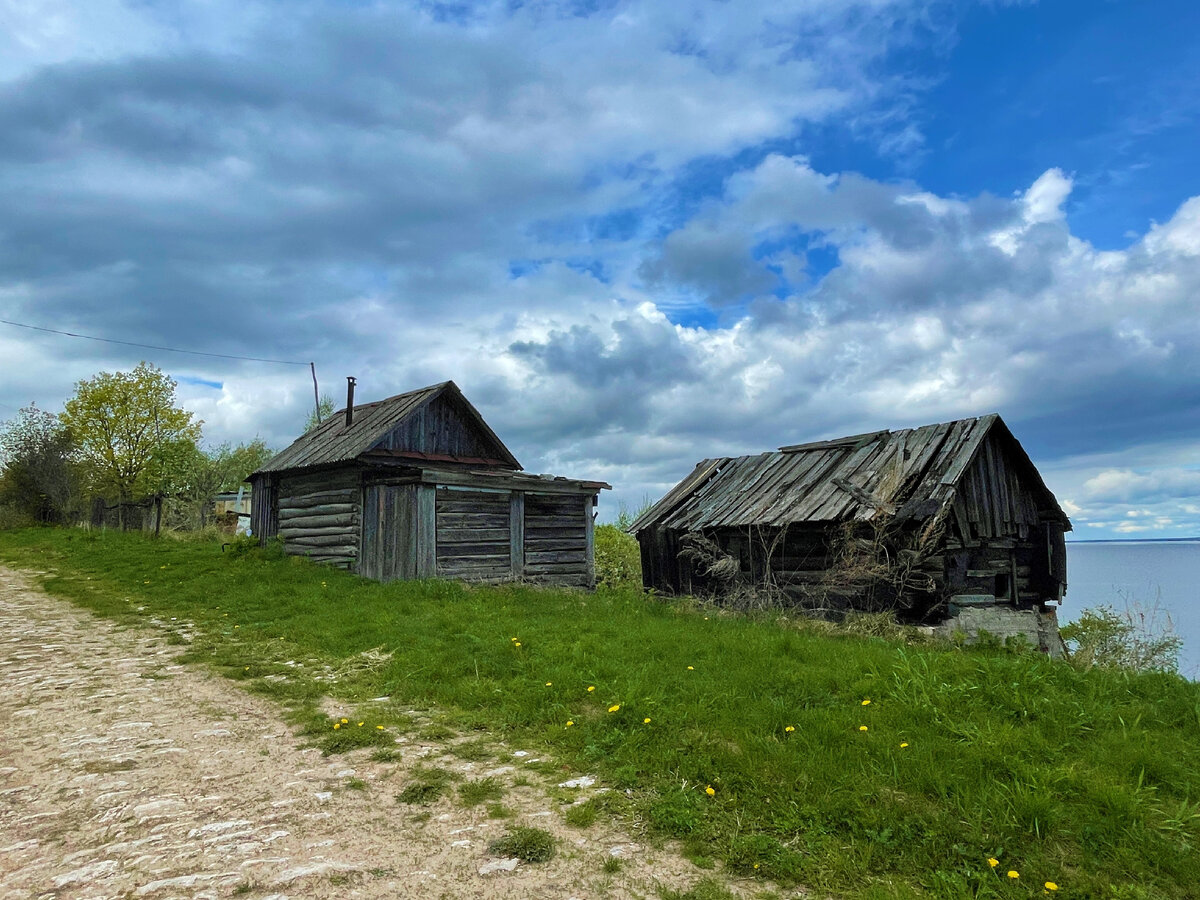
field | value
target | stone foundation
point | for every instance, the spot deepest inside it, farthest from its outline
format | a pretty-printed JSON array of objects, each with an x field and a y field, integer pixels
[{"x": 1001, "y": 620}]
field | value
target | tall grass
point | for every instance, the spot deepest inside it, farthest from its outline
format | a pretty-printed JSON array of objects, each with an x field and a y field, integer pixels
[{"x": 1087, "y": 779}]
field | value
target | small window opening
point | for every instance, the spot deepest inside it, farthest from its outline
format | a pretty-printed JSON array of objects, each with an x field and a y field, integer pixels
[{"x": 1004, "y": 587}]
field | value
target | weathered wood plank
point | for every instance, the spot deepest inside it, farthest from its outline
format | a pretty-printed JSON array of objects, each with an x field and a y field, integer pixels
[
  {"x": 425, "y": 551},
  {"x": 289, "y": 511},
  {"x": 516, "y": 531},
  {"x": 304, "y": 501},
  {"x": 447, "y": 536}
]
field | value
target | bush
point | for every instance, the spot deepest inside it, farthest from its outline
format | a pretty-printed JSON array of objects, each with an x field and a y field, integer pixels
[
  {"x": 618, "y": 558},
  {"x": 1136, "y": 639}
]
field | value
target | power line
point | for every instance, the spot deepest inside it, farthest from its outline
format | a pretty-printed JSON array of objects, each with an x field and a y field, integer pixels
[{"x": 282, "y": 362}]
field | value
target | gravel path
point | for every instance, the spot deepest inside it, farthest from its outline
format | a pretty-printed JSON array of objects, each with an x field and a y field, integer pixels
[{"x": 125, "y": 774}]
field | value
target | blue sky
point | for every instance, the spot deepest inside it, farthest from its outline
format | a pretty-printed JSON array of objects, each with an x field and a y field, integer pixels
[{"x": 636, "y": 234}]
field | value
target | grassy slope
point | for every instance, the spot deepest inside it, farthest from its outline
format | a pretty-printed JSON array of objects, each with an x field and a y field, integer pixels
[{"x": 1089, "y": 780}]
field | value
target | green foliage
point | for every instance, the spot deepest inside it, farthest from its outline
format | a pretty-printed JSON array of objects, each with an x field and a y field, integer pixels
[
  {"x": 324, "y": 410},
  {"x": 1135, "y": 639},
  {"x": 1088, "y": 778},
  {"x": 475, "y": 793},
  {"x": 135, "y": 441},
  {"x": 618, "y": 559},
  {"x": 527, "y": 844},
  {"x": 40, "y": 478}
]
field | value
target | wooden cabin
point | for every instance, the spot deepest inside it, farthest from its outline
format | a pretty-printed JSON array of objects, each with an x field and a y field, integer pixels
[
  {"x": 418, "y": 486},
  {"x": 922, "y": 521}
]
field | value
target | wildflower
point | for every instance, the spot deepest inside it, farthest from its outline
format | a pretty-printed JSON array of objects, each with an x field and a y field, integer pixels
[
  {"x": 345, "y": 721},
  {"x": 517, "y": 644},
  {"x": 790, "y": 729},
  {"x": 1013, "y": 873},
  {"x": 237, "y": 626},
  {"x": 709, "y": 790},
  {"x": 756, "y": 865},
  {"x": 646, "y": 721},
  {"x": 569, "y": 723},
  {"x": 691, "y": 668},
  {"x": 379, "y": 728},
  {"x": 993, "y": 862},
  {"x": 862, "y": 727},
  {"x": 548, "y": 683},
  {"x": 247, "y": 668},
  {"x": 1051, "y": 886},
  {"x": 614, "y": 707},
  {"x": 512, "y": 639},
  {"x": 866, "y": 703},
  {"x": 337, "y": 725},
  {"x": 162, "y": 567},
  {"x": 360, "y": 724},
  {"x": 591, "y": 688},
  {"x": 903, "y": 744}
]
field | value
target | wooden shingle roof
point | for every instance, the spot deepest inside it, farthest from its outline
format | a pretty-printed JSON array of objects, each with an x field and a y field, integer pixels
[
  {"x": 912, "y": 473},
  {"x": 332, "y": 442}
]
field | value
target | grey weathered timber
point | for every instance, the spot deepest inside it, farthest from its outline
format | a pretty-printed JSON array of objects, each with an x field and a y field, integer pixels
[
  {"x": 968, "y": 485},
  {"x": 418, "y": 486}
]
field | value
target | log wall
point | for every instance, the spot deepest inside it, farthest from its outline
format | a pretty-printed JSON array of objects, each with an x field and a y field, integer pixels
[
  {"x": 558, "y": 539},
  {"x": 473, "y": 534},
  {"x": 320, "y": 516}
]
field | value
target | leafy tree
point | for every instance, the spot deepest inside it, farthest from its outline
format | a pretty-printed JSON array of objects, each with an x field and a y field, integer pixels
[
  {"x": 222, "y": 468},
  {"x": 136, "y": 442},
  {"x": 40, "y": 478},
  {"x": 323, "y": 411}
]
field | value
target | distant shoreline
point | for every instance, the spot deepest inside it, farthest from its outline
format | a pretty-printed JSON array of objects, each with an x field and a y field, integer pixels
[{"x": 1183, "y": 540}]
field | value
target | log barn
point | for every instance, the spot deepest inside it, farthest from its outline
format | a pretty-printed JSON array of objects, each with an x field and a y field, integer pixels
[
  {"x": 927, "y": 520},
  {"x": 418, "y": 486}
]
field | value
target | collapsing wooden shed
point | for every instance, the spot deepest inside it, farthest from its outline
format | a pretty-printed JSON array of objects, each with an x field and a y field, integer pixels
[
  {"x": 419, "y": 486},
  {"x": 924, "y": 521}
]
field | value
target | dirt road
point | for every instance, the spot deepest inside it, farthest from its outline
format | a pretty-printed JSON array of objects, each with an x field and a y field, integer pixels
[{"x": 125, "y": 774}]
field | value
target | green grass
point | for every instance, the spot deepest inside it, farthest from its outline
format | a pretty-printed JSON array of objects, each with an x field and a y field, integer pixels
[
  {"x": 528, "y": 844},
  {"x": 1087, "y": 779},
  {"x": 480, "y": 791}
]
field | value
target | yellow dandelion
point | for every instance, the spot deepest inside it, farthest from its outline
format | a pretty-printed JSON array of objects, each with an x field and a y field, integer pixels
[
  {"x": 862, "y": 727},
  {"x": 614, "y": 707},
  {"x": 345, "y": 721},
  {"x": 866, "y": 703},
  {"x": 237, "y": 626},
  {"x": 790, "y": 729},
  {"x": 337, "y": 725},
  {"x": 756, "y": 865},
  {"x": 691, "y": 668},
  {"x": 569, "y": 723},
  {"x": 646, "y": 721},
  {"x": 360, "y": 724},
  {"x": 512, "y": 639},
  {"x": 517, "y": 644},
  {"x": 548, "y": 683},
  {"x": 709, "y": 790},
  {"x": 1051, "y": 886},
  {"x": 903, "y": 744},
  {"x": 591, "y": 688},
  {"x": 379, "y": 728},
  {"x": 993, "y": 862},
  {"x": 1013, "y": 873},
  {"x": 162, "y": 567},
  {"x": 247, "y": 668}
]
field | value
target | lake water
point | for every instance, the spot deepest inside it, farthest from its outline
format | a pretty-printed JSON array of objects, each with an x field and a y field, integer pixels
[{"x": 1163, "y": 575}]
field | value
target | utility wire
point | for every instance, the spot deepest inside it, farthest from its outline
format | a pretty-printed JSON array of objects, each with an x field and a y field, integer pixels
[
  {"x": 312, "y": 367},
  {"x": 282, "y": 362}
]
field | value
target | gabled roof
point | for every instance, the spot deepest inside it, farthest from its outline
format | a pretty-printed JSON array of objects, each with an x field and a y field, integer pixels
[
  {"x": 912, "y": 473},
  {"x": 332, "y": 442}
]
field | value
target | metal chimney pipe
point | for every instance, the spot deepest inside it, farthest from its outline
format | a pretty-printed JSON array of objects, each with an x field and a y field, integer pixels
[{"x": 350, "y": 382}]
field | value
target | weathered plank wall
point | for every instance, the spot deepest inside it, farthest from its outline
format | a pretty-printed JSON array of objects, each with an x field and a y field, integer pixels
[
  {"x": 993, "y": 500},
  {"x": 389, "y": 532},
  {"x": 473, "y": 534},
  {"x": 320, "y": 515},
  {"x": 439, "y": 427},
  {"x": 264, "y": 507},
  {"x": 557, "y": 539}
]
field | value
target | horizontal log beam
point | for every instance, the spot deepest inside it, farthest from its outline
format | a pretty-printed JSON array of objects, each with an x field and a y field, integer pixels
[{"x": 304, "y": 501}]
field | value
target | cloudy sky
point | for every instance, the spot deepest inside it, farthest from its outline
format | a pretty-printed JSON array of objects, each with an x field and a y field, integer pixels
[{"x": 635, "y": 233}]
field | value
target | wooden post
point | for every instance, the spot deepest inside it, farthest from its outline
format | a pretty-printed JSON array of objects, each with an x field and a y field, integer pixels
[
  {"x": 426, "y": 531},
  {"x": 591, "y": 539},
  {"x": 516, "y": 532}
]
